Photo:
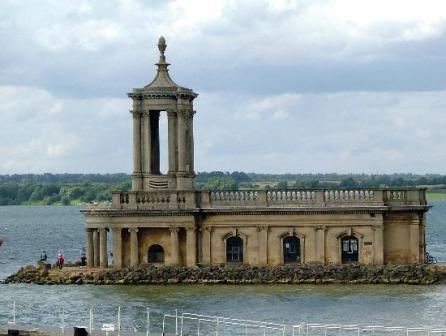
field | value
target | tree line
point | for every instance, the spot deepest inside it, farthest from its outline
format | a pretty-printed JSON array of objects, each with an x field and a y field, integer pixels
[{"x": 69, "y": 189}]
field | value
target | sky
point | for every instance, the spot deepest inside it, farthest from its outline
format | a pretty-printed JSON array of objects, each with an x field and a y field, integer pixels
[{"x": 285, "y": 86}]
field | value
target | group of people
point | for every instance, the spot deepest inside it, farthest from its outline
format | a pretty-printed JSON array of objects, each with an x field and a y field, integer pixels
[{"x": 60, "y": 260}]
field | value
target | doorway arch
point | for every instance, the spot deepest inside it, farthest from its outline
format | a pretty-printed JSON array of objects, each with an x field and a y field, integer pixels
[
  {"x": 234, "y": 250},
  {"x": 291, "y": 250},
  {"x": 156, "y": 254},
  {"x": 349, "y": 250}
]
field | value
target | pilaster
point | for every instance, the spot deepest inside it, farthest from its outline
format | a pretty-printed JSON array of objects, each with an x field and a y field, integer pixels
[
  {"x": 134, "y": 259},
  {"x": 90, "y": 248},
  {"x": 191, "y": 246},
  {"x": 262, "y": 236},
  {"x": 117, "y": 247},
  {"x": 175, "y": 258},
  {"x": 320, "y": 243},
  {"x": 206, "y": 232},
  {"x": 378, "y": 244},
  {"x": 103, "y": 257},
  {"x": 95, "y": 248}
]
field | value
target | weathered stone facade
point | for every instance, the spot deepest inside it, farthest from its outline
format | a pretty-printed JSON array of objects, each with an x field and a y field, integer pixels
[{"x": 164, "y": 220}]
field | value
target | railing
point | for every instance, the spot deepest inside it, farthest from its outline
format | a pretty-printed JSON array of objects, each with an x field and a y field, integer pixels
[
  {"x": 179, "y": 200},
  {"x": 191, "y": 324}
]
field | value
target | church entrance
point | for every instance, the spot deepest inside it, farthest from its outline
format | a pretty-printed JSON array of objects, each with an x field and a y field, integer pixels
[
  {"x": 349, "y": 250},
  {"x": 156, "y": 254},
  {"x": 234, "y": 250},
  {"x": 291, "y": 250}
]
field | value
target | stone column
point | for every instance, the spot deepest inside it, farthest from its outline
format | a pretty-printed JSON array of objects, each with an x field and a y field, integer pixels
[
  {"x": 207, "y": 245},
  {"x": 95, "y": 248},
  {"x": 191, "y": 142},
  {"x": 414, "y": 241},
  {"x": 103, "y": 257},
  {"x": 155, "y": 142},
  {"x": 90, "y": 248},
  {"x": 136, "y": 180},
  {"x": 263, "y": 244},
  {"x": 378, "y": 245},
  {"x": 134, "y": 258},
  {"x": 191, "y": 247},
  {"x": 172, "y": 139},
  {"x": 181, "y": 138},
  {"x": 146, "y": 143},
  {"x": 320, "y": 244},
  {"x": 117, "y": 248},
  {"x": 174, "y": 246}
]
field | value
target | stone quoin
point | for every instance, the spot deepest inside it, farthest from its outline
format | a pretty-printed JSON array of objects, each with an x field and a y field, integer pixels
[{"x": 164, "y": 220}]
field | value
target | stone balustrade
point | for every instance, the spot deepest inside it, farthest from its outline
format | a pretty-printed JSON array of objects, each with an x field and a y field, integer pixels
[{"x": 178, "y": 200}]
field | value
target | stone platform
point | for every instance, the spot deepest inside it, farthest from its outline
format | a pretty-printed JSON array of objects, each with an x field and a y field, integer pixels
[{"x": 290, "y": 274}]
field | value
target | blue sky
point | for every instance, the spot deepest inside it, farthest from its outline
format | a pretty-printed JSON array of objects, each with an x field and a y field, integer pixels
[{"x": 285, "y": 86}]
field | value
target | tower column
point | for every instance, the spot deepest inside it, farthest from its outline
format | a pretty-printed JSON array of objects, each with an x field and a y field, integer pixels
[
  {"x": 182, "y": 155},
  {"x": 146, "y": 143},
  {"x": 90, "y": 249},
  {"x": 172, "y": 139},
  {"x": 137, "y": 178},
  {"x": 174, "y": 245},
  {"x": 191, "y": 142},
  {"x": 103, "y": 257},
  {"x": 117, "y": 247},
  {"x": 134, "y": 260},
  {"x": 95, "y": 248}
]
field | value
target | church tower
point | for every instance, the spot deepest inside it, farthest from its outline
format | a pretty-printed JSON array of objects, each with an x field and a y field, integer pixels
[{"x": 163, "y": 95}]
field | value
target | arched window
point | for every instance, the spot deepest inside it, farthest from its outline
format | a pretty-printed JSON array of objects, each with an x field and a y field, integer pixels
[
  {"x": 234, "y": 249},
  {"x": 349, "y": 249},
  {"x": 156, "y": 254},
  {"x": 291, "y": 249}
]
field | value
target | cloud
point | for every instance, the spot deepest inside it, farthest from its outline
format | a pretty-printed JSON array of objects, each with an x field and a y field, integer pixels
[{"x": 285, "y": 85}]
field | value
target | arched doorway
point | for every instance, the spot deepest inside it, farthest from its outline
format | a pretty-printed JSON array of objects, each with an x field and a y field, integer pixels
[
  {"x": 234, "y": 250},
  {"x": 291, "y": 249},
  {"x": 156, "y": 254},
  {"x": 349, "y": 250}
]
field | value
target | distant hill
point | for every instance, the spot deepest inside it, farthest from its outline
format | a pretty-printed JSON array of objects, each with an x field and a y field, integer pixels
[{"x": 69, "y": 189}]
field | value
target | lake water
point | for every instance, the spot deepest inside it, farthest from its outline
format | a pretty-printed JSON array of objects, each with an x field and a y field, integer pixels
[{"x": 28, "y": 229}]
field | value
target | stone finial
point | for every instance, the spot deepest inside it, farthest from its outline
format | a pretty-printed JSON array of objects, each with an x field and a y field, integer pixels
[
  {"x": 162, "y": 48},
  {"x": 162, "y": 45}
]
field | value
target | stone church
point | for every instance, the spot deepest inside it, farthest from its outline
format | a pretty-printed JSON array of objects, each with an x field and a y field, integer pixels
[{"x": 164, "y": 220}]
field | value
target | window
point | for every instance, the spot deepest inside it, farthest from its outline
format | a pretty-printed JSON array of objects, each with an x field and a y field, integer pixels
[
  {"x": 349, "y": 253},
  {"x": 291, "y": 249},
  {"x": 234, "y": 249}
]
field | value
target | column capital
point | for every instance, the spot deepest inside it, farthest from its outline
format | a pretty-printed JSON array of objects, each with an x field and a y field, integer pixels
[
  {"x": 116, "y": 229},
  {"x": 174, "y": 229},
  {"x": 135, "y": 230},
  {"x": 135, "y": 114},
  {"x": 320, "y": 227},
  {"x": 171, "y": 113},
  {"x": 378, "y": 227},
  {"x": 262, "y": 228},
  {"x": 188, "y": 228}
]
